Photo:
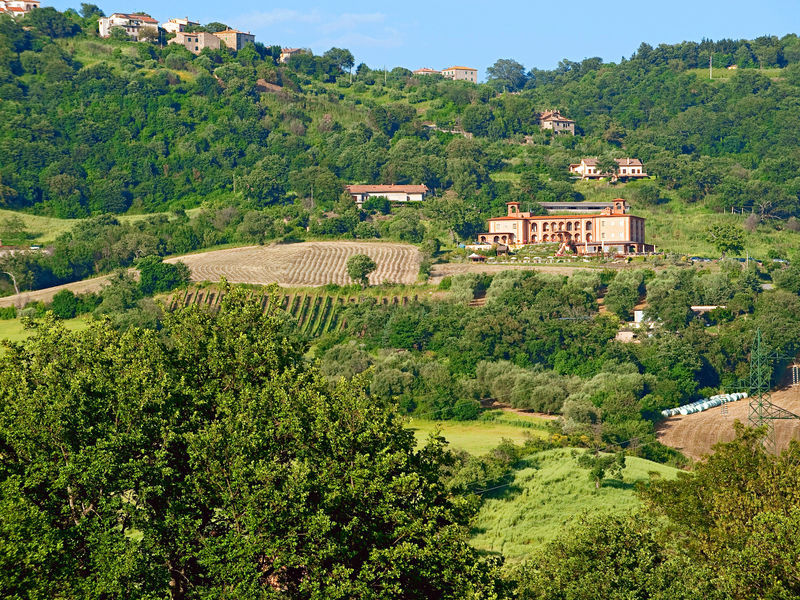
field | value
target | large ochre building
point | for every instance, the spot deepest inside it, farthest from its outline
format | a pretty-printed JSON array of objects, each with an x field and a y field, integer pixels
[{"x": 612, "y": 230}]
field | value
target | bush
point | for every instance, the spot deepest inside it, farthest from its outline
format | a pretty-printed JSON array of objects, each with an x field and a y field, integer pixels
[
  {"x": 7, "y": 313},
  {"x": 65, "y": 304},
  {"x": 379, "y": 204},
  {"x": 159, "y": 277}
]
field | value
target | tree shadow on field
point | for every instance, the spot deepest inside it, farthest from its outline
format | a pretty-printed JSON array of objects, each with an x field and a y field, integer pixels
[
  {"x": 507, "y": 488},
  {"x": 618, "y": 484}
]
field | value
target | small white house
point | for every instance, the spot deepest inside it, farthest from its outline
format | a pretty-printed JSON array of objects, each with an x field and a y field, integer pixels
[
  {"x": 178, "y": 25},
  {"x": 393, "y": 193},
  {"x": 131, "y": 23}
]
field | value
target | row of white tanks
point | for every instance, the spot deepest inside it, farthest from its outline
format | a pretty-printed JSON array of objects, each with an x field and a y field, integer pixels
[{"x": 704, "y": 404}]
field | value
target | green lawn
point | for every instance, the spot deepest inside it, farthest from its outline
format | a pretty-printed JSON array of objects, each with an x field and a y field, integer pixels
[
  {"x": 548, "y": 492},
  {"x": 478, "y": 437},
  {"x": 13, "y": 330}
]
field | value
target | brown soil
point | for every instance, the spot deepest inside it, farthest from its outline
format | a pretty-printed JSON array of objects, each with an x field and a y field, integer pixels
[
  {"x": 46, "y": 295},
  {"x": 304, "y": 264},
  {"x": 696, "y": 434}
]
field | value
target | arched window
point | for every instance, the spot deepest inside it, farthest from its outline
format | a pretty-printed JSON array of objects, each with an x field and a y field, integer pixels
[
  {"x": 569, "y": 226},
  {"x": 496, "y": 239},
  {"x": 553, "y": 226},
  {"x": 577, "y": 225},
  {"x": 589, "y": 237},
  {"x": 483, "y": 238},
  {"x": 533, "y": 227},
  {"x": 533, "y": 238},
  {"x": 577, "y": 237},
  {"x": 544, "y": 226},
  {"x": 588, "y": 225},
  {"x": 561, "y": 226},
  {"x": 545, "y": 238}
]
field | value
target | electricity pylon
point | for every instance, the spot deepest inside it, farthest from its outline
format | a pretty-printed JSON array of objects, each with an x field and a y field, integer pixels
[{"x": 762, "y": 411}]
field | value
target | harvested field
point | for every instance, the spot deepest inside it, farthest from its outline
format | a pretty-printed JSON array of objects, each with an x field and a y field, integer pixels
[
  {"x": 46, "y": 295},
  {"x": 304, "y": 264},
  {"x": 694, "y": 435},
  {"x": 440, "y": 271}
]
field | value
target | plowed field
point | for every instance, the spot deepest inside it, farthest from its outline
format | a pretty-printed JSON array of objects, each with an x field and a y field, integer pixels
[
  {"x": 694, "y": 435},
  {"x": 305, "y": 264}
]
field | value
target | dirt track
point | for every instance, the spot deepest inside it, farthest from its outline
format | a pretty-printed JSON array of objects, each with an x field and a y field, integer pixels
[
  {"x": 304, "y": 264},
  {"x": 439, "y": 272},
  {"x": 46, "y": 295},
  {"x": 694, "y": 435}
]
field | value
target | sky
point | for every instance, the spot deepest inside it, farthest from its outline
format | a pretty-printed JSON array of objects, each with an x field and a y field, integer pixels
[{"x": 418, "y": 33}]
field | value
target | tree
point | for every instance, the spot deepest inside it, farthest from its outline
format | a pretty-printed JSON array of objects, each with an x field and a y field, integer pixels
[
  {"x": 119, "y": 34},
  {"x": 507, "y": 74},
  {"x": 726, "y": 237},
  {"x": 88, "y": 11},
  {"x": 607, "y": 165},
  {"x": 65, "y": 304},
  {"x": 359, "y": 266},
  {"x": 216, "y": 27},
  {"x": 738, "y": 511},
  {"x": 149, "y": 34},
  {"x": 207, "y": 460},
  {"x": 341, "y": 58},
  {"x": 599, "y": 464},
  {"x": 50, "y": 22},
  {"x": 156, "y": 276}
]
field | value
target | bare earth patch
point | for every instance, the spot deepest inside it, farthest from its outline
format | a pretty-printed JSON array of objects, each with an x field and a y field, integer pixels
[
  {"x": 304, "y": 264},
  {"x": 694, "y": 435},
  {"x": 440, "y": 271}
]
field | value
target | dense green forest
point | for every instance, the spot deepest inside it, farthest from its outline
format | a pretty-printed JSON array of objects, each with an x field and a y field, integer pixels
[{"x": 93, "y": 126}]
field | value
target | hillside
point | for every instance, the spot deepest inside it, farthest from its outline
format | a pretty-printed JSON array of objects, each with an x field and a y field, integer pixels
[{"x": 547, "y": 493}]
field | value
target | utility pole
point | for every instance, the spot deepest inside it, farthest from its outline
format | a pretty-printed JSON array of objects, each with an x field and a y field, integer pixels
[{"x": 762, "y": 411}]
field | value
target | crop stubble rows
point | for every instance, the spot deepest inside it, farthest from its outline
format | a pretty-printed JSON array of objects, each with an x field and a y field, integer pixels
[{"x": 304, "y": 264}]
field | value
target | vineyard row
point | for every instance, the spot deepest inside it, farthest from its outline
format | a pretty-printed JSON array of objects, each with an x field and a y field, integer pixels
[{"x": 315, "y": 314}]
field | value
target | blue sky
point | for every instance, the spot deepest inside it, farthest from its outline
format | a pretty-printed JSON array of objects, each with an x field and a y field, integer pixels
[{"x": 415, "y": 33}]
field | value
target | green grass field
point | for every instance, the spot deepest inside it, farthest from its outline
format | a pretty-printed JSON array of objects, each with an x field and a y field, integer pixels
[
  {"x": 13, "y": 330},
  {"x": 726, "y": 74},
  {"x": 44, "y": 230},
  {"x": 478, "y": 437},
  {"x": 548, "y": 492}
]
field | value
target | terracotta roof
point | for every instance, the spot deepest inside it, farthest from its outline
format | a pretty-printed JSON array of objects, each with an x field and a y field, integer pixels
[
  {"x": 143, "y": 18},
  {"x": 628, "y": 162},
  {"x": 565, "y": 217},
  {"x": 622, "y": 162},
  {"x": 232, "y": 31},
  {"x": 426, "y": 70},
  {"x": 409, "y": 189},
  {"x": 459, "y": 69},
  {"x": 554, "y": 115}
]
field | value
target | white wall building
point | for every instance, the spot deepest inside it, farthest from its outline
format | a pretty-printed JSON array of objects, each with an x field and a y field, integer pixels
[
  {"x": 178, "y": 25},
  {"x": 18, "y": 7},
  {"x": 129, "y": 22},
  {"x": 393, "y": 193}
]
